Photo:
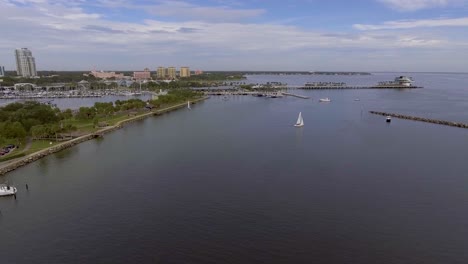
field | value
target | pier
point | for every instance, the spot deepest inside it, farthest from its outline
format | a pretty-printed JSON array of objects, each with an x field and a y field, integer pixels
[
  {"x": 296, "y": 95},
  {"x": 353, "y": 87},
  {"x": 422, "y": 119}
]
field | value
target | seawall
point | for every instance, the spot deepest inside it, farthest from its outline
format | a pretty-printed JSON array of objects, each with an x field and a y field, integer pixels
[
  {"x": 4, "y": 169},
  {"x": 422, "y": 119}
]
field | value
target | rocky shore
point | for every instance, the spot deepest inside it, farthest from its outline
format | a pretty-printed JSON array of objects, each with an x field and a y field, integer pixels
[
  {"x": 45, "y": 152},
  {"x": 422, "y": 119}
]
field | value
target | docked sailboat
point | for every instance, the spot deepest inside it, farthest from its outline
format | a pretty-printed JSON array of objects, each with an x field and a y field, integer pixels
[
  {"x": 6, "y": 190},
  {"x": 300, "y": 121},
  {"x": 188, "y": 105}
]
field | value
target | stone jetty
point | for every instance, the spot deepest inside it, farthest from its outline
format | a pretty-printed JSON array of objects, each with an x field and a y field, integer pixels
[
  {"x": 296, "y": 95},
  {"x": 13, "y": 165},
  {"x": 422, "y": 119}
]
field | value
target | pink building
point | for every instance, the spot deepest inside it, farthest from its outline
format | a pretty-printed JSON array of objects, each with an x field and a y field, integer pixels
[
  {"x": 144, "y": 75},
  {"x": 107, "y": 75}
]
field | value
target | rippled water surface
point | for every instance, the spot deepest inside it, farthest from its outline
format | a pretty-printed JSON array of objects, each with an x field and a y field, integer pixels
[{"x": 234, "y": 182}]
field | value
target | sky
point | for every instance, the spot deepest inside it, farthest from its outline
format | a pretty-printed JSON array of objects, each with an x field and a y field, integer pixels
[{"x": 270, "y": 35}]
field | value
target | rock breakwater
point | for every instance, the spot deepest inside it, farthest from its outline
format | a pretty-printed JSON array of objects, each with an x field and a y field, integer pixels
[{"x": 422, "y": 119}]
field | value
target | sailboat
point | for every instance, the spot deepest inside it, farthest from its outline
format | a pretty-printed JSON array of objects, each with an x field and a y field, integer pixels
[
  {"x": 300, "y": 121},
  {"x": 188, "y": 105}
]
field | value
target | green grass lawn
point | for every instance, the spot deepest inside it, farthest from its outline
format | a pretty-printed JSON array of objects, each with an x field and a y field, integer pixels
[{"x": 38, "y": 145}]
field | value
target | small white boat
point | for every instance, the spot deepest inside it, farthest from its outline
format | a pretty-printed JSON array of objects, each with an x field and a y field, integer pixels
[
  {"x": 300, "y": 121},
  {"x": 6, "y": 190},
  {"x": 325, "y": 100},
  {"x": 188, "y": 105},
  {"x": 357, "y": 99},
  {"x": 389, "y": 119}
]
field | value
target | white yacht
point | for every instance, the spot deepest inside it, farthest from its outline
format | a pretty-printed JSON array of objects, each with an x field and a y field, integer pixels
[
  {"x": 300, "y": 121},
  {"x": 6, "y": 190},
  {"x": 325, "y": 100},
  {"x": 404, "y": 81}
]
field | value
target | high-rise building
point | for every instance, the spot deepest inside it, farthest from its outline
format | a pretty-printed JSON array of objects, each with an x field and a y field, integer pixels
[
  {"x": 25, "y": 63},
  {"x": 184, "y": 72},
  {"x": 2, "y": 71},
  {"x": 161, "y": 73},
  {"x": 171, "y": 73}
]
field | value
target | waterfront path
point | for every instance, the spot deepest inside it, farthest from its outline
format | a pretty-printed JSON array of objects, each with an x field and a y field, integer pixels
[
  {"x": 422, "y": 119},
  {"x": 17, "y": 163}
]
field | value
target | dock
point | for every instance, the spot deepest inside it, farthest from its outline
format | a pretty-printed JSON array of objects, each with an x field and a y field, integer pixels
[
  {"x": 296, "y": 95},
  {"x": 422, "y": 119},
  {"x": 353, "y": 87}
]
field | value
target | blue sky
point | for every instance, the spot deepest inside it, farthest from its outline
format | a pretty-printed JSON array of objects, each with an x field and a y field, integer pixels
[{"x": 360, "y": 35}]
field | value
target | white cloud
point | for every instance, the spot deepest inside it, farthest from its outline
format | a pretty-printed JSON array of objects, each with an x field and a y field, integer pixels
[
  {"x": 189, "y": 11},
  {"x": 412, "y": 5},
  {"x": 64, "y": 37},
  {"x": 422, "y": 23}
]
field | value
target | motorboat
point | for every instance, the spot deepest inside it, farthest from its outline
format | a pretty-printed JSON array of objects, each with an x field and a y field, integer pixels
[
  {"x": 325, "y": 100},
  {"x": 389, "y": 119},
  {"x": 6, "y": 190}
]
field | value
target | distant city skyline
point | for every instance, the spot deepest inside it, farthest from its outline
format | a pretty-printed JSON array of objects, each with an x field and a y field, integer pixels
[{"x": 297, "y": 35}]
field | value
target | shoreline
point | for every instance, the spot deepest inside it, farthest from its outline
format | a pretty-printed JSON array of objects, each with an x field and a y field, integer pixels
[{"x": 6, "y": 168}]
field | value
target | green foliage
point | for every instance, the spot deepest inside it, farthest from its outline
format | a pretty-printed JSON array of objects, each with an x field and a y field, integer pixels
[
  {"x": 50, "y": 77},
  {"x": 174, "y": 96},
  {"x": 216, "y": 76},
  {"x": 95, "y": 122},
  {"x": 130, "y": 104},
  {"x": 67, "y": 114},
  {"x": 26, "y": 115},
  {"x": 104, "y": 108},
  {"x": 86, "y": 113},
  {"x": 12, "y": 130},
  {"x": 246, "y": 87},
  {"x": 51, "y": 130}
]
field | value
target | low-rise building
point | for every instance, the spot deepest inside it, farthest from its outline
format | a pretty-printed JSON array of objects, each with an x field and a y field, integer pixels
[
  {"x": 144, "y": 75},
  {"x": 107, "y": 75}
]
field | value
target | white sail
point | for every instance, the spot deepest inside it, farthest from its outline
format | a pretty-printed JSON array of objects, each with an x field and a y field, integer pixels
[
  {"x": 300, "y": 121},
  {"x": 188, "y": 105}
]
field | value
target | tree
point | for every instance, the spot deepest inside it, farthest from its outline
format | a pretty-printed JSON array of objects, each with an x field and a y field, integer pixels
[
  {"x": 67, "y": 114},
  {"x": 95, "y": 122},
  {"x": 38, "y": 132},
  {"x": 15, "y": 130},
  {"x": 86, "y": 113}
]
